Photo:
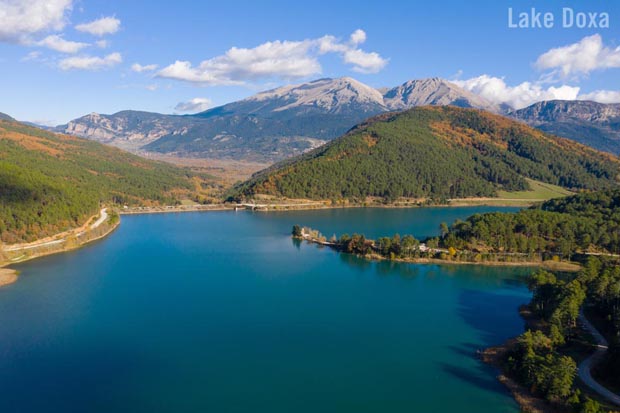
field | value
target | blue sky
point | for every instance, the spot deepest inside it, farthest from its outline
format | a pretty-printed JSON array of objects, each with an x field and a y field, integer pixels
[{"x": 61, "y": 59}]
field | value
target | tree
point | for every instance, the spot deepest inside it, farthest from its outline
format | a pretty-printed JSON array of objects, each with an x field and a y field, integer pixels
[
  {"x": 590, "y": 406},
  {"x": 395, "y": 247},
  {"x": 409, "y": 244},
  {"x": 432, "y": 243},
  {"x": 444, "y": 230},
  {"x": 344, "y": 239},
  {"x": 560, "y": 377},
  {"x": 543, "y": 284},
  {"x": 384, "y": 245},
  {"x": 297, "y": 233}
]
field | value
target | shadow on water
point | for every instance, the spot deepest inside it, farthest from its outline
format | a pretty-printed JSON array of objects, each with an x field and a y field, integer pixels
[
  {"x": 360, "y": 264},
  {"x": 494, "y": 316},
  {"x": 481, "y": 311},
  {"x": 482, "y": 377},
  {"x": 383, "y": 268},
  {"x": 386, "y": 268},
  {"x": 468, "y": 350}
]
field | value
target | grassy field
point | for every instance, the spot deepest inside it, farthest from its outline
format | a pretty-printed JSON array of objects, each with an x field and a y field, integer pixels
[{"x": 539, "y": 192}]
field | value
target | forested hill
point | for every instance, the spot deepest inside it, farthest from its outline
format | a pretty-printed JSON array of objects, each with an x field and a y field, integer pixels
[
  {"x": 50, "y": 183},
  {"x": 437, "y": 152},
  {"x": 582, "y": 222}
]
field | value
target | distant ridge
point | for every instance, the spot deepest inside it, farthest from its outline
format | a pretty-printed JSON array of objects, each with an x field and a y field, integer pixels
[
  {"x": 293, "y": 119},
  {"x": 4, "y": 116},
  {"x": 271, "y": 125},
  {"x": 591, "y": 123}
]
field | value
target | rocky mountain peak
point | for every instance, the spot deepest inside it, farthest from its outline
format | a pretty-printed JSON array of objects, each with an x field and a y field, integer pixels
[{"x": 434, "y": 91}]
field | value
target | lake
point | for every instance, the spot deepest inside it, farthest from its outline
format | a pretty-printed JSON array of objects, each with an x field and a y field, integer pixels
[{"x": 224, "y": 312}]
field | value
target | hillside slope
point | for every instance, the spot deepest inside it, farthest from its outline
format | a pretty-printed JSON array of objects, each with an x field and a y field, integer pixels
[
  {"x": 50, "y": 183},
  {"x": 437, "y": 152}
]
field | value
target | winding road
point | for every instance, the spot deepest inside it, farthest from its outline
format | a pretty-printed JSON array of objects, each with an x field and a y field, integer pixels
[
  {"x": 103, "y": 216},
  {"x": 585, "y": 367}
]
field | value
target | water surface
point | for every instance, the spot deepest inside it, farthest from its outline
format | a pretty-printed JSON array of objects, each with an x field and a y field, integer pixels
[{"x": 223, "y": 312}]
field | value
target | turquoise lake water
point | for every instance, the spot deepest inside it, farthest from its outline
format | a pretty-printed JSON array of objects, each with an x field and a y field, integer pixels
[{"x": 223, "y": 312}]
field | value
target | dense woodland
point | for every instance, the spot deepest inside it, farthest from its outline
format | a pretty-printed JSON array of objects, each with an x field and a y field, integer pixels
[
  {"x": 561, "y": 227},
  {"x": 604, "y": 297},
  {"x": 50, "y": 183},
  {"x": 438, "y": 153},
  {"x": 540, "y": 358}
]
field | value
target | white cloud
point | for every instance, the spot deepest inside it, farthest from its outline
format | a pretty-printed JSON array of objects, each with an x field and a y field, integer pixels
[
  {"x": 102, "y": 44},
  {"x": 364, "y": 62},
  {"x": 286, "y": 60},
  {"x": 572, "y": 61},
  {"x": 602, "y": 96},
  {"x": 137, "y": 67},
  {"x": 57, "y": 43},
  {"x": 90, "y": 62},
  {"x": 34, "y": 55},
  {"x": 497, "y": 91},
  {"x": 358, "y": 36},
  {"x": 194, "y": 105},
  {"x": 100, "y": 27},
  {"x": 20, "y": 19},
  {"x": 275, "y": 60},
  {"x": 580, "y": 58}
]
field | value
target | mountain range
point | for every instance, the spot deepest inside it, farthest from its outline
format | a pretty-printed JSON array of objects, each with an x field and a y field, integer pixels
[
  {"x": 290, "y": 120},
  {"x": 271, "y": 125},
  {"x": 590, "y": 123}
]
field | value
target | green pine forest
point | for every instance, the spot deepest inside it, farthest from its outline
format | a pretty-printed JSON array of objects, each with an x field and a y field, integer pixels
[
  {"x": 50, "y": 183},
  {"x": 437, "y": 153},
  {"x": 588, "y": 222}
]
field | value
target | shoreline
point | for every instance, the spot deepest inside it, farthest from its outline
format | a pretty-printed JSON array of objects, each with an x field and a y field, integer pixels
[
  {"x": 174, "y": 209},
  {"x": 60, "y": 244},
  {"x": 493, "y": 356},
  {"x": 549, "y": 265},
  {"x": 57, "y": 248},
  {"x": 320, "y": 205},
  {"x": 7, "y": 276}
]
